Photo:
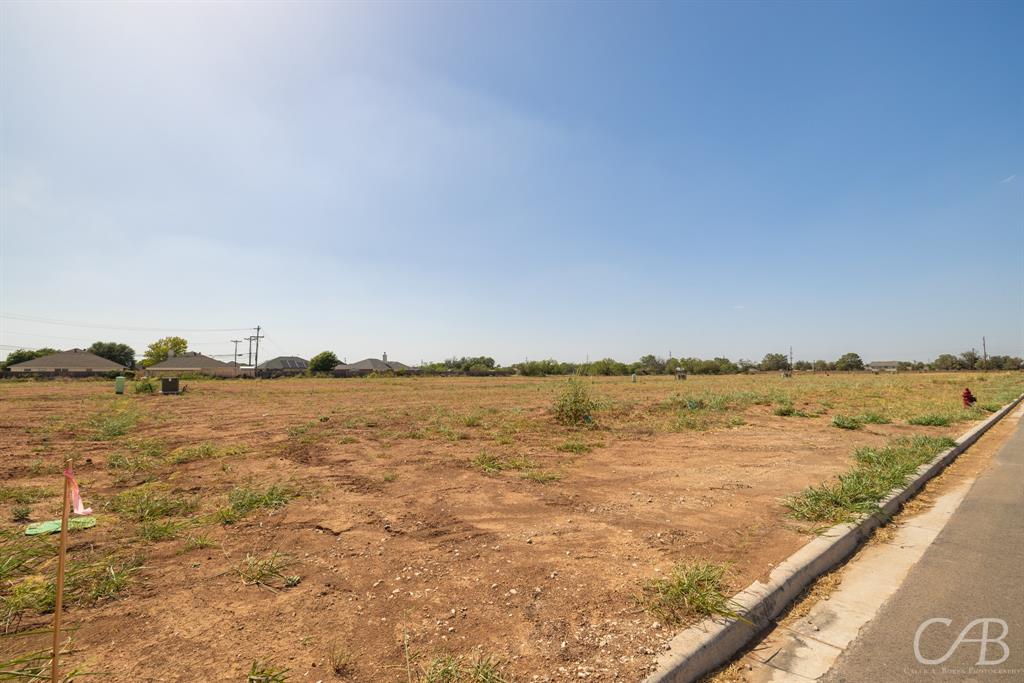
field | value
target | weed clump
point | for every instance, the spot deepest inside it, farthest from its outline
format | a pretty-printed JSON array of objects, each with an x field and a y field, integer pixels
[
  {"x": 846, "y": 422},
  {"x": 493, "y": 464},
  {"x": 23, "y": 495},
  {"x": 453, "y": 669},
  {"x": 933, "y": 420},
  {"x": 693, "y": 590},
  {"x": 574, "y": 406},
  {"x": 266, "y": 672},
  {"x": 268, "y": 571},
  {"x": 876, "y": 473},
  {"x": 149, "y": 502},
  {"x": 873, "y": 419},
  {"x": 244, "y": 499},
  {"x": 577, "y": 447},
  {"x": 144, "y": 386}
]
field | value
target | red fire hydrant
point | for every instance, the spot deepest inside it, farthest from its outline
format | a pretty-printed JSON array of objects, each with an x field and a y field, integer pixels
[{"x": 969, "y": 399}]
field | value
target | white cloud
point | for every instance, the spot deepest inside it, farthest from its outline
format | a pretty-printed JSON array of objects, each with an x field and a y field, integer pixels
[{"x": 1008, "y": 179}]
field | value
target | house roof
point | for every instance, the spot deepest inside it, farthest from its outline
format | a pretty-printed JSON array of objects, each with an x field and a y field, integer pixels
[
  {"x": 285, "y": 363},
  {"x": 883, "y": 363},
  {"x": 372, "y": 364},
  {"x": 74, "y": 359},
  {"x": 191, "y": 360}
]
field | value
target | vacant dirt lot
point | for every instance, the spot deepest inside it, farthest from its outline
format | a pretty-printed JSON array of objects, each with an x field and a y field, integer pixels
[{"x": 418, "y": 518}]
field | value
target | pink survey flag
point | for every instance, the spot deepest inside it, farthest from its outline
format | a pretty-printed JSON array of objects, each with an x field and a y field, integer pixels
[{"x": 76, "y": 498}]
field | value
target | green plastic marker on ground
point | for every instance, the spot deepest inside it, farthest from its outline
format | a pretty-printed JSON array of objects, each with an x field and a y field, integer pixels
[
  {"x": 53, "y": 526},
  {"x": 119, "y": 385}
]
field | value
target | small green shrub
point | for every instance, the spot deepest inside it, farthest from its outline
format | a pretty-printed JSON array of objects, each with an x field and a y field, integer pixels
[
  {"x": 784, "y": 410},
  {"x": 21, "y": 513},
  {"x": 574, "y": 405},
  {"x": 873, "y": 419},
  {"x": 145, "y": 386}
]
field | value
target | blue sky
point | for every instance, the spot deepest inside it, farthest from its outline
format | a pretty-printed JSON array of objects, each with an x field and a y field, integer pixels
[{"x": 517, "y": 180}]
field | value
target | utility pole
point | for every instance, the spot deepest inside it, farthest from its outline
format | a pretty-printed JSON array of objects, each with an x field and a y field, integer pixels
[
  {"x": 984, "y": 353},
  {"x": 257, "y": 338},
  {"x": 790, "y": 357},
  {"x": 236, "y": 342},
  {"x": 249, "y": 339}
]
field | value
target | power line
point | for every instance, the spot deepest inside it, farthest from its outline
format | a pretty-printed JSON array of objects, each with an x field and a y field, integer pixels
[
  {"x": 68, "y": 323},
  {"x": 85, "y": 339}
]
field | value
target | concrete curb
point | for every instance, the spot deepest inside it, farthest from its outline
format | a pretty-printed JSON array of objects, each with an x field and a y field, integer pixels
[{"x": 706, "y": 646}]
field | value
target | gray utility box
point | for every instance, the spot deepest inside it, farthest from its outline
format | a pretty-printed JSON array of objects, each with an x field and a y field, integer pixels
[{"x": 169, "y": 385}]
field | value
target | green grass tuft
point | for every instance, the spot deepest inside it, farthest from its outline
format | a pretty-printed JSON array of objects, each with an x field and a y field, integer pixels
[
  {"x": 577, "y": 447},
  {"x": 876, "y": 473},
  {"x": 267, "y": 571},
  {"x": 156, "y": 531},
  {"x": 22, "y": 495},
  {"x": 541, "y": 477},
  {"x": 150, "y": 501},
  {"x": 266, "y": 672},
  {"x": 932, "y": 420},
  {"x": 244, "y": 499},
  {"x": 846, "y": 422},
  {"x": 693, "y": 590}
]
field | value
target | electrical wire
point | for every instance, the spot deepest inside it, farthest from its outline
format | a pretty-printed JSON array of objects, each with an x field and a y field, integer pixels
[{"x": 68, "y": 323}]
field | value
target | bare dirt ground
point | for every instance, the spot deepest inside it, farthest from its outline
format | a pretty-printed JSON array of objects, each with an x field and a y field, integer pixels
[{"x": 406, "y": 544}]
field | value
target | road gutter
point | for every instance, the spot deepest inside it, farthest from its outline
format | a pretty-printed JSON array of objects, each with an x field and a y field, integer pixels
[{"x": 713, "y": 642}]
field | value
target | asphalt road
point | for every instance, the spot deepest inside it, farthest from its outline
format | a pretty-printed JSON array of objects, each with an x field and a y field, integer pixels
[{"x": 973, "y": 571}]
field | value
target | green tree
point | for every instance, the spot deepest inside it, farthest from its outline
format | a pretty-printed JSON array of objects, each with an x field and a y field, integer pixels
[
  {"x": 946, "y": 362},
  {"x": 325, "y": 361},
  {"x": 969, "y": 360},
  {"x": 803, "y": 365},
  {"x": 652, "y": 365},
  {"x": 22, "y": 355},
  {"x": 158, "y": 351},
  {"x": 607, "y": 366},
  {"x": 119, "y": 353},
  {"x": 849, "y": 361},
  {"x": 744, "y": 365},
  {"x": 775, "y": 361}
]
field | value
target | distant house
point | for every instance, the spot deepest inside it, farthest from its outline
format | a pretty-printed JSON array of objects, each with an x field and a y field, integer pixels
[
  {"x": 371, "y": 365},
  {"x": 192, "y": 363},
  {"x": 283, "y": 365},
  {"x": 884, "y": 366},
  {"x": 73, "y": 363}
]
